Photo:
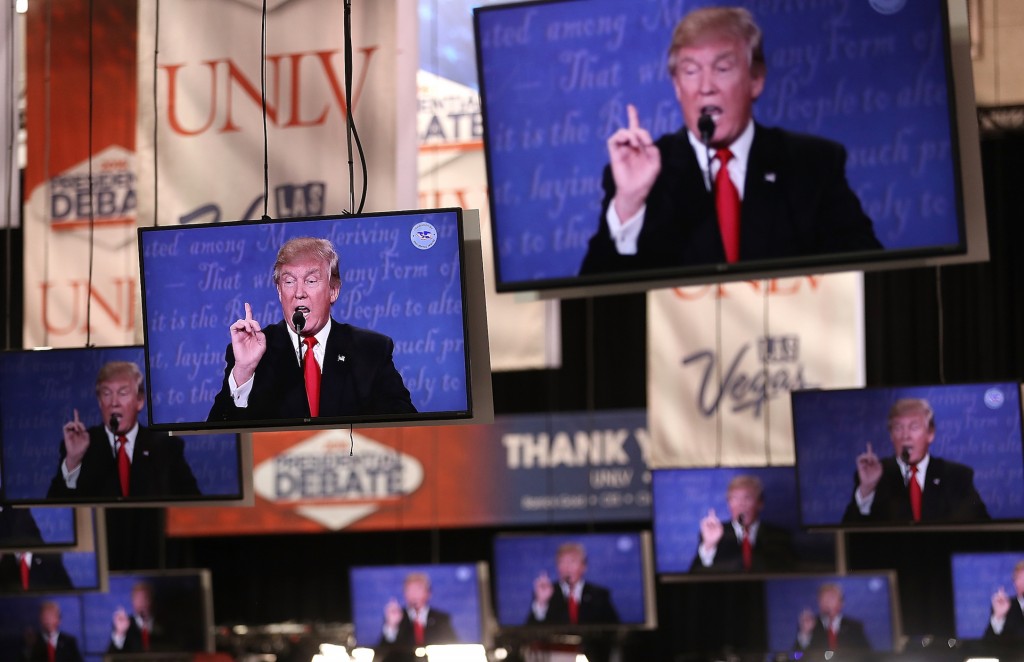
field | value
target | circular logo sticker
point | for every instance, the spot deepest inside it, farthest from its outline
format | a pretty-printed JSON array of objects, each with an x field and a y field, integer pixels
[
  {"x": 423, "y": 235},
  {"x": 994, "y": 398},
  {"x": 887, "y": 6}
]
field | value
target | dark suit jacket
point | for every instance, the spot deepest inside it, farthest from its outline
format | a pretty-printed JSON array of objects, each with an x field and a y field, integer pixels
[
  {"x": 850, "y": 638},
  {"x": 358, "y": 377},
  {"x": 46, "y": 573},
  {"x": 438, "y": 630},
  {"x": 1013, "y": 629},
  {"x": 158, "y": 468},
  {"x": 796, "y": 202},
  {"x": 17, "y": 527},
  {"x": 773, "y": 552},
  {"x": 595, "y": 608},
  {"x": 133, "y": 639},
  {"x": 66, "y": 649},
  {"x": 949, "y": 495}
]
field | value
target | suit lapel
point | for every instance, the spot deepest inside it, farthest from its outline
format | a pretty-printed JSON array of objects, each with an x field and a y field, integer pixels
[
  {"x": 337, "y": 396},
  {"x": 287, "y": 373},
  {"x": 763, "y": 202},
  {"x": 695, "y": 229}
]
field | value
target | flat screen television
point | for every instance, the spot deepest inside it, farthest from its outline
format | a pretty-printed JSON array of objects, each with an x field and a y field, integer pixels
[
  {"x": 617, "y": 590},
  {"x": 977, "y": 578},
  {"x": 52, "y": 572},
  {"x": 44, "y": 391},
  {"x": 683, "y": 498},
  {"x": 180, "y": 614},
  {"x": 399, "y": 349},
  {"x": 889, "y": 80},
  {"x": 37, "y": 528},
  {"x": 458, "y": 596},
  {"x": 974, "y": 476},
  {"x": 20, "y": 616},
  {"x": 870, "y": 614}
]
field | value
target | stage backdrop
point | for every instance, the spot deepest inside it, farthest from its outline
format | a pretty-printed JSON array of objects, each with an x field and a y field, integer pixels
[
  {"x": 723, "y": 358},
  {"x": 566, "y": 468}
]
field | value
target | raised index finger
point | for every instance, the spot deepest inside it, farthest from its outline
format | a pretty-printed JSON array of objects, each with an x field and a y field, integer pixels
[
  {"x": 77, "y": 421},
  {"x": 632, "y": 116},
  {"x": 248, "y": 312},
  {"x": 869, "y": 451}
]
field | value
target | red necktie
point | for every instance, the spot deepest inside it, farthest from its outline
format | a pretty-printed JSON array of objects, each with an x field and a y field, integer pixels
[
  {"x": 915, "y": 493},
  {"x": 311, "y": 371},
  {"x": 748, "y": 550},
  {"x": 833, "y": 638},
  {"x": 417, "y": 630},
  {"x": 727, "y": 201},
  {"x": 574, "y": 610},
  {"x": 124, "y": 465},
  {"x": 51, "y": 651},
  {"x": 24, "y": 572},
  {"x": 145, "y": 637}
]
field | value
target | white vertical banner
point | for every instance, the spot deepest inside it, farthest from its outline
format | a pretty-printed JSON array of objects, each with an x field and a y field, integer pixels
[
  {"x": 207, "y": 119},
  {"x": 524, "y": 335},
  {"x": 722, "y": 359}
]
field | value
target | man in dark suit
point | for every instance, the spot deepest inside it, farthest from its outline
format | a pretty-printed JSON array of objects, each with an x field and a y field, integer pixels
[
  {"x": 661, "y": 200},
  {"x": 747, "y": 544},
  {"x": 29, "y": 571},
  {"x": 138, "y": 632},
  {"x": 575, "y": 601},
  {"x": 830, "y": 629},
  {"x": 307, "y": 365},
  {"x": 120, "y": 458},
  {"x": 64, "y": 646},
  {"x": 419, "y": 623},
  {"x": 1006, "y": 622},
  {"x": 913, "y": 485}
]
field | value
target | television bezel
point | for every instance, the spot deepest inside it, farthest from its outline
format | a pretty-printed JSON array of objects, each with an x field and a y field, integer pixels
[
  {"x": 971, "y": 218},
  {"x": 479, "y": 403}
]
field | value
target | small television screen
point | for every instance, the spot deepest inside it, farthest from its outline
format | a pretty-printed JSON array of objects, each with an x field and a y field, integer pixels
[
  {"x": 383, "y": 339},
  {"x": 403, "y": 607},
  {"x": 27, "y": 621},
  {"x": 921, "y": 457},
  {"x": 566, "y": 582},
  {"x": 987, "y": 592},
  {"x": 150, "y": 612},
  {"x": 37, "y": 528},
  {"x": 853, "y": 615},
  {"x": 58, "y": 413},
  {"x": 51, "y": 572},
  {"x": 850, "y": 137},
  {"x": 735, "y": 522}
]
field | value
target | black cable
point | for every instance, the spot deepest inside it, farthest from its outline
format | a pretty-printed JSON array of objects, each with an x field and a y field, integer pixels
[
  {"x": 92, "y": 213},
  {"x": 156, "y": 53},
  {"x": 349, "y": 122},
  {"x": 263, "y": 97},
  {"x": 362, "y": 164},
  {"x": 10, "y": 121}
]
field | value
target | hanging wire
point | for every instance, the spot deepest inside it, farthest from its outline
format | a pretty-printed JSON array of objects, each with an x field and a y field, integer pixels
[
  {"x": 263, "y": 98},
  {"x": 92, "y": 212},
  {"x": 156, "y": 53},
  {"x": 350, "y": 122},
  {"x": 8, "y": 172}
]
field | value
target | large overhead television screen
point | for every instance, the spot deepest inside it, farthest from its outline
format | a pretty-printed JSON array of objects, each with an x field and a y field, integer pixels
[
  {"x": 890, "y": 81},
  {"x": 47, "y": 396},
  {"x": 396, "y": 351},
  {"x": 857, "y": 448}
]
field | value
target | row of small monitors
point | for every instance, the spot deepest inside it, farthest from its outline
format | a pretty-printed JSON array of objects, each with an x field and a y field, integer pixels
[{"x": 531, "y": 572}]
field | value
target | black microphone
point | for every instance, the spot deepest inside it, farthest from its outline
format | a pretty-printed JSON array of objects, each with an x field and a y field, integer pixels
[
  {"x": 740, "y": 518},
  {"x": 298, "y": 321},
  {"x": 115, "y": 422},
  {"x": 905, "y": 454},
  {"x": 706, "y": 126}
]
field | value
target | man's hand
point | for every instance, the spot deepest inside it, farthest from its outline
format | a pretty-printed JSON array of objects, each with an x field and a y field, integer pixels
[
  {"x": 392, "y": 613},
  {"x": 711, "y": 530},
  {"x": 543, "y": 589},
  {"x": 121, "y": 622},
  {"x": 1000, "y": 604},
  {"x": 76, "y": 442},
  {"x": 635, "y": 163},
  {"x": 805, "y": 622},
  {"x": 248, "y": 345},
  {"x": 869, "y": 471}
]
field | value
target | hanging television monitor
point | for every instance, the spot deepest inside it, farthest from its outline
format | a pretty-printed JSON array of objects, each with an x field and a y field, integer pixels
[
  {"x": 863, "y": 152},
  {"x": 36, "y": 528},
  {"x": 385, "y": 305},
  {"x": 25, "y": 619},
  {"x": 987, "y": 590},
  {"x": 910, "y": 458},
  {"x": 59, "y": 411}
]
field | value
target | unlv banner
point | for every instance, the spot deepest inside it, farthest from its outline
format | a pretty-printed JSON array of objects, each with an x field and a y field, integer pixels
[
  {"x": 81, "y": 280},
  {"x": 722, "y": 360},
  {"x": 567, "y": 468},
  {"x": 208, "y": 119}
]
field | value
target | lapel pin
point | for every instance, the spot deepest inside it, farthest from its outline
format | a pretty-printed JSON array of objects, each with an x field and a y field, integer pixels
[
  {"x": 341, "y": 357},
  {"x": 769, "y": 177},
  {"x": 935, "y": 481}
]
